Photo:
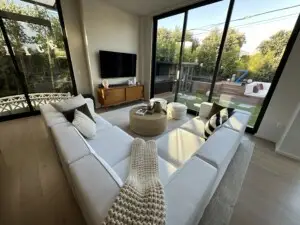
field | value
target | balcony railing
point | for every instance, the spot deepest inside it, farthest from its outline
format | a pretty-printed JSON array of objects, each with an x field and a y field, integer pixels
[{"x": 10, "y": 104}]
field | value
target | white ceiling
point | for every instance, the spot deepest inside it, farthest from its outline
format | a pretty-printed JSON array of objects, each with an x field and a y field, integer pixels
[{"x": 149, "y": 7}]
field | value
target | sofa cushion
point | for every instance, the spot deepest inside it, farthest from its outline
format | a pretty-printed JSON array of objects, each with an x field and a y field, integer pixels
[
  {"x": 112, "y": 144},
  {"x": 187, "y": 192},
  {"x": 195, "y": 126},
  {"x": 238, "y": 121},
  {"x": 69, "y": 104},
  {"x": 178, "y": 146},
  {"x": 101, "y": 123},
  {"x": 51, "y": 115},
  {"x": 220, "y": 147},
  {"x": 95, "y": 188},
  {"x": 69, "y": 142},
  {"x": 166, "y": 169}
]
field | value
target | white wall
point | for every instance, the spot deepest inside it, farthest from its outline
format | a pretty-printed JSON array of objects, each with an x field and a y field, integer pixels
[
  {"x": 284, "y": 100},
  {"x": 145, "y": 52},
  {"x": 71, "y": 15},
  {"x": 289, "y": 142},
  {"x": 107, "y": 28}
]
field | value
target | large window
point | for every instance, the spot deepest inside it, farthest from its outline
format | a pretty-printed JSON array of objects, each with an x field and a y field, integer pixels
[
  {"x": 169, "y": 35},
  {"x": 35, "y": 69},
  {"x": 231, "y": 51}
]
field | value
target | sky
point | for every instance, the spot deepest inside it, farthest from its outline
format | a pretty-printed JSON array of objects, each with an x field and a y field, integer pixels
[{"x": 256, "y": 29}]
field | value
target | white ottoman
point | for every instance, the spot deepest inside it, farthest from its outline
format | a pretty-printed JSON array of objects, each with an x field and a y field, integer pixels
[
  {"x": 162, "y": 101},
  {"x": 177, "y": 110}
]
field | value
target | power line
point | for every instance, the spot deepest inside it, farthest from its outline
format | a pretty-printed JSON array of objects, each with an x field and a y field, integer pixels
[
  {"x": 270, "y": 20},
  {"x": 247, "y": 17},
  {"x": 267, "y": 21}
]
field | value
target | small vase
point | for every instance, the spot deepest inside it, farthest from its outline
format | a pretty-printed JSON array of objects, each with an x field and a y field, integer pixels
[{"x": 105, "y": 83}]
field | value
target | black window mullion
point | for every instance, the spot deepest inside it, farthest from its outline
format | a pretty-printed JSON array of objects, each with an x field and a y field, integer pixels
[
  {"x": 153, "y": 68},
  {"x": 66, "y": 44},
  {"x": 20, "y": 75},
  {"x": 220, "y": 51},
  {"x": 181, "y": 54}
]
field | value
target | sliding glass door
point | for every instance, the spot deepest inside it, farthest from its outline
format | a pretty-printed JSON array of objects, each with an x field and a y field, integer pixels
[
  {"x": 255, "y": 43},
  {"x": 12, "y": 97},
  {"x": 232, "y": 52},
  {"x": 200, "y": 48},
  {"x": 41, "y": 72},
  {"x": 169, "y": 35}
]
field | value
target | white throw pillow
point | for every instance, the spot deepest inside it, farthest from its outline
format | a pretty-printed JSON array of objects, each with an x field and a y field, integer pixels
[
  {"x": 69, "y": 104},
  {"x": 84, "y": 124}
]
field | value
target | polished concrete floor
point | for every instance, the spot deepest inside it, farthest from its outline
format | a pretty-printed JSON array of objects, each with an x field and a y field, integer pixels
[
  {"x": 34, "y": 191},
  {"x": 271, "y": 191}
]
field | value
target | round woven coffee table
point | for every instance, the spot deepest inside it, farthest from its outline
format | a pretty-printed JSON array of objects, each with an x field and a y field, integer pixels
[{"x": 147, "y": 125}]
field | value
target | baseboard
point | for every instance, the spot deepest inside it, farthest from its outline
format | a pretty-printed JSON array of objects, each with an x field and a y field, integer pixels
[{"x": 287, "y": 154}]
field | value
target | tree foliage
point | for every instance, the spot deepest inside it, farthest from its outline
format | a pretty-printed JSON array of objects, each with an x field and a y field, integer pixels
[
  {"x": 261, "y": 65},
  {"x": 38, "y": 67}
]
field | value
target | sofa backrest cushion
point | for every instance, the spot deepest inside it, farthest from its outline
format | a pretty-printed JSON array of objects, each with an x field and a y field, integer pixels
[
  {"x": 51, "y": 115},
  {"x": 187, "y": 192},
  {"x": 238, "y": 121},
  {"x": 219, "y": 150},
  {"x": 216, "y": 149},
  {"x": 69, "y": 104}
]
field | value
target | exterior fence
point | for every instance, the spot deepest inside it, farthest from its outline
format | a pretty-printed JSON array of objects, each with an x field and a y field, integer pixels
[{"x": 10, "y": 104}]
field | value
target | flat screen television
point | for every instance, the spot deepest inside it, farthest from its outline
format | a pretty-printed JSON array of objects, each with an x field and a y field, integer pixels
[{"x": 117, "y": 64}]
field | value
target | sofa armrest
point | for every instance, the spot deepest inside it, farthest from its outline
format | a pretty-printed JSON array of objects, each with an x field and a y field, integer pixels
[
  {"x": 205, "y": 108},
  {"x": 94, "y": 187},
  {"x": 187, "y": 193}
]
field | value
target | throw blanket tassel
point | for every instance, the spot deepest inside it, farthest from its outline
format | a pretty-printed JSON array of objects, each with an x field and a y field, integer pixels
[{"x": 141, "y": 199}]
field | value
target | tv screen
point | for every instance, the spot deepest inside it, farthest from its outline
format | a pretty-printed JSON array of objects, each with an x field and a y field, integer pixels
[{"x": 116, "y": 64}]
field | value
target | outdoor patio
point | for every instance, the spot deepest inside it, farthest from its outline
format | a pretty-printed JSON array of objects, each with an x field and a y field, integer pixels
[{"x": 226, "y": 93}]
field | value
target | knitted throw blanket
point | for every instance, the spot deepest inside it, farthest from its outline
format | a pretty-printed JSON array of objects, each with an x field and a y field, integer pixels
[{"x": 141, "y": 199}]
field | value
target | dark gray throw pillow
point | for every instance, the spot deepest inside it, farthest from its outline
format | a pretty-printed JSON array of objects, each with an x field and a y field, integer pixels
[{"x": 83, "y": 108}]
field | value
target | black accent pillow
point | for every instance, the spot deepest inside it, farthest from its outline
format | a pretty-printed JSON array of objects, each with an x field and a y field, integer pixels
[
  {"x": 217, "y": 108},
  {"x": 83, "y": 108}
]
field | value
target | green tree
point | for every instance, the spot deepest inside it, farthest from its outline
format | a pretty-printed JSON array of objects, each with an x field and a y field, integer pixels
[
  {"x": 262, "y": 65},
  {"x": 208, "y": 51},
  {"x": 24, "y": 34},
  {"x": 276, "y": 44},
  {"x": 168, "y": 45}
]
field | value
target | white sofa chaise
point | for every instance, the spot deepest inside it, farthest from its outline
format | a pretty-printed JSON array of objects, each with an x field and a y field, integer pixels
[{"x": 190, "y": 168}]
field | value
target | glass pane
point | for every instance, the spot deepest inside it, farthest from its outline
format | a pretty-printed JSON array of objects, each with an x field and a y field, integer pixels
[
  {"x": 256, "y": 40},
  {"x": 12, "y": 99},
  {"x": 202, "y": 41},
  {"x": 39, "y": 49},
  {"x": 169, "y": 32}
]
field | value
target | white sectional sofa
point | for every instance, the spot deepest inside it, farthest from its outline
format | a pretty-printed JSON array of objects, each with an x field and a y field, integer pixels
[{"x": 190, "y": 168}]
